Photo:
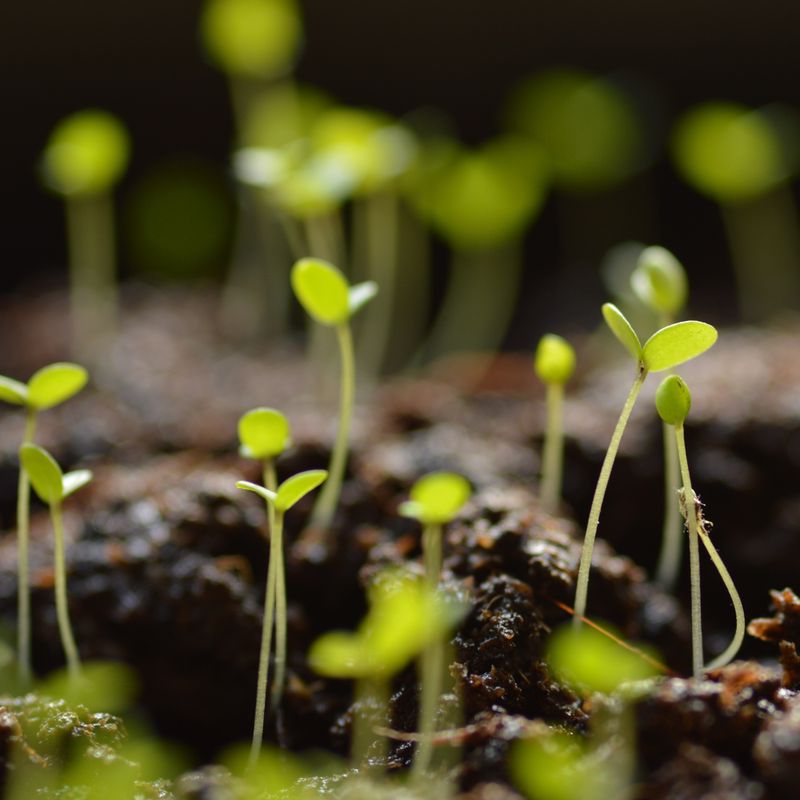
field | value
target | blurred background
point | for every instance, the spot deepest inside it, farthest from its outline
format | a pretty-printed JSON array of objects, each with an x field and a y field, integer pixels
[{"x": 145, "y": 63}]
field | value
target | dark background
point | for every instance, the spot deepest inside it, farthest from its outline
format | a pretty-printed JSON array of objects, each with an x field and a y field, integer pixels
[{"x": 142, "y": 61}]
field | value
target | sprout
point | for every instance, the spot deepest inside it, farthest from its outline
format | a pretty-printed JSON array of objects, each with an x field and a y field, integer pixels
[
  {"x": 665, "y": 349},
  {"x": 48, "y": 387},
  {"x": 279, "y": 500},
  {"x": 53, "y": 487},
  {"x": 84, "y": 158},
  {"x": 554, "y": 364},
  {"x": 673, "y": 401},
  {"x": 328, "y": 298}
]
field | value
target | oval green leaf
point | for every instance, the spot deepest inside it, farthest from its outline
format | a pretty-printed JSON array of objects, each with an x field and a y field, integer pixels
[
  {"x": 322, "y": 291},
  {"x": 12, "y": 391},
  {"x": 436, "y": 498},
  {"x": 339, "y": 654},
  {"x": 54, "y": 384},
  {"x": 44, "y": 473},
  {"x": 554, "y": 361},
  {"x": 73, "y": 481},
  {"x": 264, "y": 493},
  {"x": 263, "y": 433},
  {"x": 659, "y": 281},
  {"x": 623, "y": 330},
  {"x": 297, "y": 487},
  {"x": 677, "y": 344},
  {"x": 360, "y": 295},
  {"x": 673, "y": 400}
]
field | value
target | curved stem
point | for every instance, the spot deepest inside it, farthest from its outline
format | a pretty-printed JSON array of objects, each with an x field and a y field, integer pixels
[
  {"x": 62, "y": 608},
  {"x": 694, "y": 555},
  {"x": 582, "y": 587},
  {"x": 553, "y": 455},
  {"x": 328, "y": 499},
  {"x": 23, "y": 563},
  {"x": 669, "y": 560}
]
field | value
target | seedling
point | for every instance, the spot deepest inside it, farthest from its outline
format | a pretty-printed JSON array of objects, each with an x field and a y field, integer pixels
[
  {"x": 49, "y": 387},
  {"x": 436, "y": 499},
  {"x": 53, "y": 487},
  {"x": 659, "y": 281},
  {"x": 278, "y": 503},
  {"x": 673, "y": 401},
  {"x": 665, "y": 349},
  {"x": 328, "y": 299},
  {"x": 554, "y": 364},
  {"x": 85, "y": 156}
]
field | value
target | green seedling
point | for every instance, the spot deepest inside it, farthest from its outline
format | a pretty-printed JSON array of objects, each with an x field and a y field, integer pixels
[
  {"x": 278, "y": 501},
  {"x": 435, "y": 500},
  {"x": 660, "y": 282},
  {"x": 85, "y": 156},
  {"x": 405, "y": 617},
  {"x": 329, "y": 300},
  {"x": 665, "y": 349},
  {"x": 48, "y": 387},
  {"x": 673, "y": 401},
  {"x": 53, "y": 487},
  {"x": 554, "y": 364}
]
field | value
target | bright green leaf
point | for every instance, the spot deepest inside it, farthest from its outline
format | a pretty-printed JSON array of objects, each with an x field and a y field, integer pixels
[
  {"x": 338, "y": 654},
  {"x": 553, "y": 766},
  {"x": 54, "y": 384},
  {"x": 73, "y": 481},
  {"x": 659, "y": 281},
  {"x": 265, "y": 494},
  {"x": 677, "y": 344},
  {"x": 44, "y": 473},
  {"x": 673, "y": 400},
  {"x": 554, "y": 361},
  {"x": 322, "y": 291},
  {"x": 436, "y": 498},
  {"x": 623, "y": 330},
  {"x": 12, "y": 391},
  {"x": 360, "y": 295},
  {"x": 263, "y": 433},
  {"x": 298, "y": 486}
]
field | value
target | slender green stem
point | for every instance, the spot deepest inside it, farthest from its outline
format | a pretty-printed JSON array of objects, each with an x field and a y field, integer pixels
[
  {"x": 669, "y": 560},
  {"x": 372, "y": 704},
  {"x": 694, "y": 555},
  {"x": 328, "y": 499},
  {"x": 23, "y": 565},
  {"x": 62, "y": 608},
  {"x": 582, "y": 587},
  {"x": 553, "y": 456},
  {"x": 432, "y": 554}
]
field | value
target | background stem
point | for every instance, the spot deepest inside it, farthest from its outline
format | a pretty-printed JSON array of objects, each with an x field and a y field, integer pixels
[
  {"x": 23, "y": 566},
  {"x": 62, "y": 607},
  {"x": 553, "y": 455}
]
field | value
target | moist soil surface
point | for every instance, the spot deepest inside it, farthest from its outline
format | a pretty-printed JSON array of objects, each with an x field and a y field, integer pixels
[{"x": 167, "y": 560}]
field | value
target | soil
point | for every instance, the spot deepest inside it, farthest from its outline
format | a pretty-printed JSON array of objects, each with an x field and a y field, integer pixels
[{"x": 168, "y": 560}]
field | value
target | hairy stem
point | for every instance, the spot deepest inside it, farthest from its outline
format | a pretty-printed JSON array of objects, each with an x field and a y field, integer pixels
[
  {"x": 62, "y": 608},
  {"x": 328, "y": 499},
  {"x": 553, "y": 456},
  {"x": 694, "y": 555},
  {"x": 23, "y": 568},
  {"x": 582, "y": 587},
  {"x": 669, "y": 560}
]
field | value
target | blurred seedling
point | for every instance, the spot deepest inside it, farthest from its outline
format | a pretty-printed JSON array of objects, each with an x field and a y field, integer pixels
[
  {"x": 659, "y": 282},
  {"x": 554, "y": 363},
  {"x": 48, "y": 387},
  {"x": 743, "y": 159},
  {"x": 665, "y": 349},
  {"x": 405, "y": 617},
  {"x": 53, "y": 487},
  {"x": 263, "y": 435},
  {"x": 673, "y": 401},
  {"x": 278, "y": 501},
  {"x": 435, "y": 500},
  {"x": 329, "y": 300},
  {"x": 85, "y": 157}
]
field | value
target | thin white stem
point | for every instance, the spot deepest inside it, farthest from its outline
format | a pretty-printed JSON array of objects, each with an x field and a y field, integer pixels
[
  {"x": 553, "y": 453},
  {"x": 694, "y": 556},
  {"x": 62, "y": 607},
  {"x": 582, "y": 587},
  {"x": 23, "y": 563},
  {"x": 669, "y": 560}
]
